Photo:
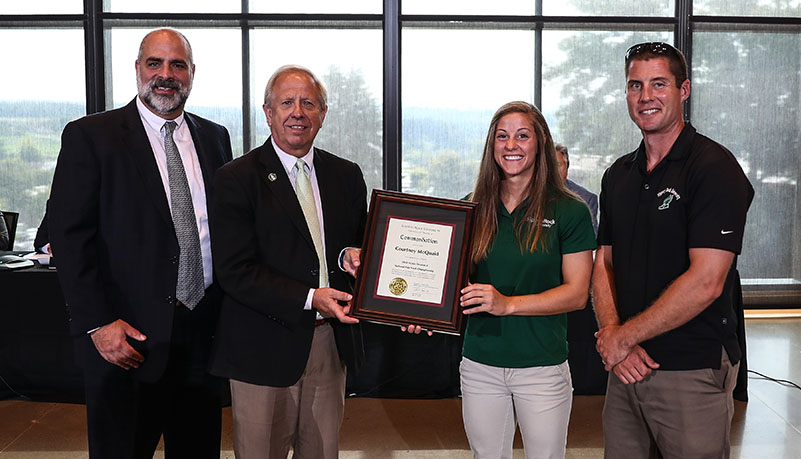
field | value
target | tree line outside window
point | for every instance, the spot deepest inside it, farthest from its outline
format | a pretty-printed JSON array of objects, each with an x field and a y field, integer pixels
[{"x": 455, "y": 62}]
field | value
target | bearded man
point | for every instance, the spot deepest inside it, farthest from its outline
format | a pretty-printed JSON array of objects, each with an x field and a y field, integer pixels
[{"x": 129, "y": 220}]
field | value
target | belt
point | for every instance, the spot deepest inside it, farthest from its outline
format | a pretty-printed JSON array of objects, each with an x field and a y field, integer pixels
[{"x": 319, "y": 322}]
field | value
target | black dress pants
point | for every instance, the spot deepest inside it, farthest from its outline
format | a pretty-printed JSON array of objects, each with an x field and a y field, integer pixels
[{"x": 127, "y": 417}]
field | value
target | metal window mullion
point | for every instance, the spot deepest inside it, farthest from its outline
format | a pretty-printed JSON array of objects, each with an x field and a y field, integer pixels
[
  {"x": 392, "y": 95},
  {"x": 94, "y": 56},
  {"x": 246, "y": 96},
  {"x": 683, "y": 39}
]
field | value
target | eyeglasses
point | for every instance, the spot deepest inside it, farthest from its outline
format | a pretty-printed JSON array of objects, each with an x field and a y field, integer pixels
[{"x": 654, "y": 47}]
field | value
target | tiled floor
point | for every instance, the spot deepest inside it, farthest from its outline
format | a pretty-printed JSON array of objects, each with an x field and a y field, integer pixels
[{"x": 768, "y": 426}]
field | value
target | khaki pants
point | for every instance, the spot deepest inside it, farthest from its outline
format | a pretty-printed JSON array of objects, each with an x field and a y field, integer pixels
[
  {"x": 496, "y": 399},
  {"x": 306, "y": 416},
  {"x": 671, "y": 414}
]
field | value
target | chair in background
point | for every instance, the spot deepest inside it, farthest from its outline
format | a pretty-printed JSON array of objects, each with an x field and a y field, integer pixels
[{"x": 11, "y": 223}]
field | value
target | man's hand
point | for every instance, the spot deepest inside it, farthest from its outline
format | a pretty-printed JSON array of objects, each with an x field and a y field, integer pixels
[
  {"x": 610, "y": 345},
  {"x": 325, "y": 301},
  {"x": 484, "y": 298},
  {"x": 351, "y": 260},
  {"x": 635, "y": 367},
  {"x": 110, "y": 341}
]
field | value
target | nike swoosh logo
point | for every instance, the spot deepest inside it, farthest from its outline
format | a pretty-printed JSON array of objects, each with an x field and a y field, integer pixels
[{"x": 726, "y": 232}]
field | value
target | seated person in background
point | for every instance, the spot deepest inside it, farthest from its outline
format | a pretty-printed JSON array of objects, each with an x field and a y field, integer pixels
[
  {"x": 563, "y": 162},
  {"x": 3, "y": 233},
  {"x": 42, "y": 242}
]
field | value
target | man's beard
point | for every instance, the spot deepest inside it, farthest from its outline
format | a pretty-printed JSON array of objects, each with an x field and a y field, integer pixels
[{"x": 163, "y": 104}]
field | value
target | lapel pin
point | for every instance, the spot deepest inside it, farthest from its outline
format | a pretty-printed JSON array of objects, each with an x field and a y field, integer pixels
[{"x": 271, "y": 176}]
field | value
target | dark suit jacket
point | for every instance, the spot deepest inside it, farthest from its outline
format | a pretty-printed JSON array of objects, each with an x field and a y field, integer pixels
[
  {"x": 111, "y": 227},
  {"x": 265, "y": 262},
  {"x": 588, "y": 197},
  {"x": 42, "y": 233}
]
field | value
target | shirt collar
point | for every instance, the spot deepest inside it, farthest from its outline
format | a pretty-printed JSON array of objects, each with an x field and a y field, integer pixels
[
  {"x": 154, "y": 121},
  {"x": 680, "y": 148},
  {"x": 289, "y": 161}
]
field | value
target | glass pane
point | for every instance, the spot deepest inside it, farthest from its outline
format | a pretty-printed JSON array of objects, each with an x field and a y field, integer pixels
[
  {"x": 173, "y": 6},
  {"x": 42, "y": 7},
  {"x": 34, "y": 108},
  {"x": 349, "y": 63},
  {"x": 615, "y": 8},
  {"x": 583, "y": 97},
  {"x": 317, "y": 7},
  {"x": 453, "y": 81},
  {"x": 745, "y": 94},
  {"x": 216, "y": 90},
  {"x": 498, "y": 7},
  {"x": 747, "y": 8}
]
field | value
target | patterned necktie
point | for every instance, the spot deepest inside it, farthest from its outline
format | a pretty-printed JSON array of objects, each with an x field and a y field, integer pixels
[
  {"x": 303, "y": 189},
  {"x": 190, "y": 287}
]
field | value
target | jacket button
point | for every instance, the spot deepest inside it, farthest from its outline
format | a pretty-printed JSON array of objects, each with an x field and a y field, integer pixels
[
  {"x": 314, "y": 272},
  {"x": 169, "y": 299}
]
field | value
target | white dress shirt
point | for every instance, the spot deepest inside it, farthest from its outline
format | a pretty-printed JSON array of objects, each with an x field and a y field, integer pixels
[{"x": 154, "y": 127}]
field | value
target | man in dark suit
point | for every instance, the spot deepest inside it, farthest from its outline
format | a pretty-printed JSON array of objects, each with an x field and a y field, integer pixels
[
  {"x": 41, "y": 244},
  {"x": 280, "y": 216},
  {"x": 586, "y": 368},
  {"x": 586, "y": 195},
  {"x": 128, "y": 220}
]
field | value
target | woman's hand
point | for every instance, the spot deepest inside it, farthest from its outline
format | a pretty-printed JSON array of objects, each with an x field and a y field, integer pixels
[
  {"x": 485, "y": 298},
  {"x": 415, "y": 330}
]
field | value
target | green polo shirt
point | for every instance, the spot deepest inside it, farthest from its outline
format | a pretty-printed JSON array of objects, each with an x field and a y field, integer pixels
[{"x": 527, "y": 341}]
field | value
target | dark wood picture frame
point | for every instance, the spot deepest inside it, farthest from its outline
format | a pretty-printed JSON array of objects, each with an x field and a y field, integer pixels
[{"x": 444, "y": 316}]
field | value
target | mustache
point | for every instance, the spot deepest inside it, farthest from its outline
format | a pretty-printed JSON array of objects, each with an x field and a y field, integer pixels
[{"x": 168, "y": 83}]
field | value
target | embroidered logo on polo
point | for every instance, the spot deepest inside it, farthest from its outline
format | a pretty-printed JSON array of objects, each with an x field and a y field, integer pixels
[
  {"x": 671, "y": 195},
  {"x": 546, "y": 223}
]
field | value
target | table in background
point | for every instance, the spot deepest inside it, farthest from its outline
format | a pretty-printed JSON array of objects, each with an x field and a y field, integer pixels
[{"x": 36, "y": 350}]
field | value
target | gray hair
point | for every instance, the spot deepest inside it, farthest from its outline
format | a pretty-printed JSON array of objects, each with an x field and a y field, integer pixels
[
  {"x": 562, "y": 148},
  {"x": 286, "y": 70}
]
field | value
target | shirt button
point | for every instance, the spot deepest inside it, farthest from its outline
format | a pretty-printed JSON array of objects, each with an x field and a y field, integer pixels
[{"x": 647, "y": 187}]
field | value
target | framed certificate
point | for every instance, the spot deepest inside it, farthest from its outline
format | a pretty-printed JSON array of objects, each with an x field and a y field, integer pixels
[{"x": 415, "y": 260}]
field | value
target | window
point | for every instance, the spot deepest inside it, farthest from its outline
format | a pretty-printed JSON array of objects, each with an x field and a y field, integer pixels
[
  {"x": 42, "y": 88},
  {"x": 584, "y": 100},
  {"x": 217, "y": 87},
  {"x": 453, "y": 80},
  {"x": 411, "y": 91},
  {"x": 746, "y": 93},
  {"x": 349, "y": 64}
]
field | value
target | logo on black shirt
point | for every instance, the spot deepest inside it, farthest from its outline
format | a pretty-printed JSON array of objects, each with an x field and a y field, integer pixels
[{"x": 668, "y": 199}]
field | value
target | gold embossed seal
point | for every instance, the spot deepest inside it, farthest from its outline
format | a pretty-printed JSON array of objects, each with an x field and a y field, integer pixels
[{"x": 397, "y": 286}]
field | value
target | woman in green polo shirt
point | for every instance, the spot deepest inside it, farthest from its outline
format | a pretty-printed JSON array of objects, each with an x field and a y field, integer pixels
[{"x": 532, "y": 252}]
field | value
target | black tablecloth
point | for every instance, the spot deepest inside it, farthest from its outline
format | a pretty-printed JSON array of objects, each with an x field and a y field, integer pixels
[{"x": 36, "y": 354}]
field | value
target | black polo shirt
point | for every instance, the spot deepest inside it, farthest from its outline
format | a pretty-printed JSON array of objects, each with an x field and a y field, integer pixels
[{"x": 696, "y": 197}]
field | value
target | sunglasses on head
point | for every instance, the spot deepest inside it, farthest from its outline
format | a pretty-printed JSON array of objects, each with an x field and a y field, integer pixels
[{"x": 654, "y": 47}]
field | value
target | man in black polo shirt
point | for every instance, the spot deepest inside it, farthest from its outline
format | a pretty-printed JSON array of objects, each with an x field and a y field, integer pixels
[{"x": 672, "y": 220}]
